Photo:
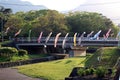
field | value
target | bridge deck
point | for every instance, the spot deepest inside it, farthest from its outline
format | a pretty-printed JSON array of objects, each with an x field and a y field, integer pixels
[{"x": 110, "y": 42}]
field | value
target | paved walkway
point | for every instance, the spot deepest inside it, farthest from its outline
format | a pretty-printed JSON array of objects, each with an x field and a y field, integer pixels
[{"x": 12, "y": 74}]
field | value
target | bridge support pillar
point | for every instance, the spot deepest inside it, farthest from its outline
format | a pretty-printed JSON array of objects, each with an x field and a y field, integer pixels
[{"x": 77, "y": 51}]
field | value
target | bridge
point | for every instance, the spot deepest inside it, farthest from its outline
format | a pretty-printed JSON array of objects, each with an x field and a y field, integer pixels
[{"x": 84, "y": 42}]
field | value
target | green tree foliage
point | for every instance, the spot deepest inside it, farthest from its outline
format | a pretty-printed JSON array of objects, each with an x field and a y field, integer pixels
[
  {"x": 4, "y": 14},
  {"x": 53, "y": 21},
  {"x": 15, "y": 23},
  {"x": 37, "y": 21},
  {"x": 89, "y": 21}
]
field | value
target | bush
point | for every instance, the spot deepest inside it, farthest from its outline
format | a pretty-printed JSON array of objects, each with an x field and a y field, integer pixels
[
  {"x": 100, "y": 72},
  {"x": 8, "y": 52},
  {"x": 92, "y": 70},
  {"x": 81, "y": 72},
  {"x": 114, "y": 70},
  {"x": 89, "y": 71},
  {"x": 86, "y": 71},
  {"x": 22, "y": 52}
]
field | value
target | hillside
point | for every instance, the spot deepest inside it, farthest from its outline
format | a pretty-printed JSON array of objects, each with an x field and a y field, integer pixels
[
  {"x": 108, "y": 55},
  {"x": 105, "y": 7},
  {"x": 18, "y": 5}
]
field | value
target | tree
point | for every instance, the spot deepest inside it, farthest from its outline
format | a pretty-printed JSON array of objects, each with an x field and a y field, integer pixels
[
  {"x": 88, "y": 21},
  {"x": 37, "y": 21},
  {"x": 52, "y": 21},
  {"x": 15, "y": 23},
  {"x": 4, "y": 14}
]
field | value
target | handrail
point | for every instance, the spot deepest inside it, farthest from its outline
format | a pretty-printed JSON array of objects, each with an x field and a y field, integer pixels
[
  {"x": 62, "y": 38},
  {"x": 69, "y": 41}
]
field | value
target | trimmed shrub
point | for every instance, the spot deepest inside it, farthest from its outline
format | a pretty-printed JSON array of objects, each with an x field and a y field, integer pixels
[
  {"x": 22, "y": 52},
  {"x": 92, "y": 70},
  {"x": 81, "y": 72},
  {"x": 87, "y": 71},
  {"x": 8, "y": 52},
  {"x": 100, "y": 72}
]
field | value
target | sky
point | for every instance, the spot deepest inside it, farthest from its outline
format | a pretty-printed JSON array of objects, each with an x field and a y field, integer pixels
[
  {"x": 109, "y": 8},
  {"x": 67, "y": 4},
  {"x": 59, "y": 5}
]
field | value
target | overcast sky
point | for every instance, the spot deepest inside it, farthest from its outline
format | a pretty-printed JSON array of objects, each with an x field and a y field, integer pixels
[
  {"x": 68, "y": 4},
  {"x": 59, "y": 5},
  {"x": 109, "y": 8}
]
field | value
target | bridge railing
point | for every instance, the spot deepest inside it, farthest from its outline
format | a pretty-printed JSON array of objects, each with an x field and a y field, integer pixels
[
  {"x": 52, "y": 39},
  {"x": 43, "y": 39},
  {"x": 69, "y": 41}
]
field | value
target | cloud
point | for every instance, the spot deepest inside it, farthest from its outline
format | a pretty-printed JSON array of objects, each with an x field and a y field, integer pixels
[
  {"x": 107, "y": 8},
  {"x": 58, "y": 4}
]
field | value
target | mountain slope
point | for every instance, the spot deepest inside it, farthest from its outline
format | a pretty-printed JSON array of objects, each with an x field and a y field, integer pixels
[
  {"x": 108, "y": 8},
  {"x": 18, "y": 5}
]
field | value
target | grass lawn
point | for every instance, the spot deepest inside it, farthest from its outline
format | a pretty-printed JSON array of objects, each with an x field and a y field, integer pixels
[
  {"x": 59, "y": 69},
  {"x": 29, "y": 56},
  {"x": 53, "y": 70},
  {"x": 25, "y": 57}
]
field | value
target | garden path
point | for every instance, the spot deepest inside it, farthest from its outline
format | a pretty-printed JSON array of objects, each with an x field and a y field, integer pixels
[{"x": 12, "y": 74}]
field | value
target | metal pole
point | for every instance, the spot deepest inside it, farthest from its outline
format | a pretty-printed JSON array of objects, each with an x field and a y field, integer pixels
[
  {"x": 2, "y": 29},
  {"x": 2, "y": 35}
]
